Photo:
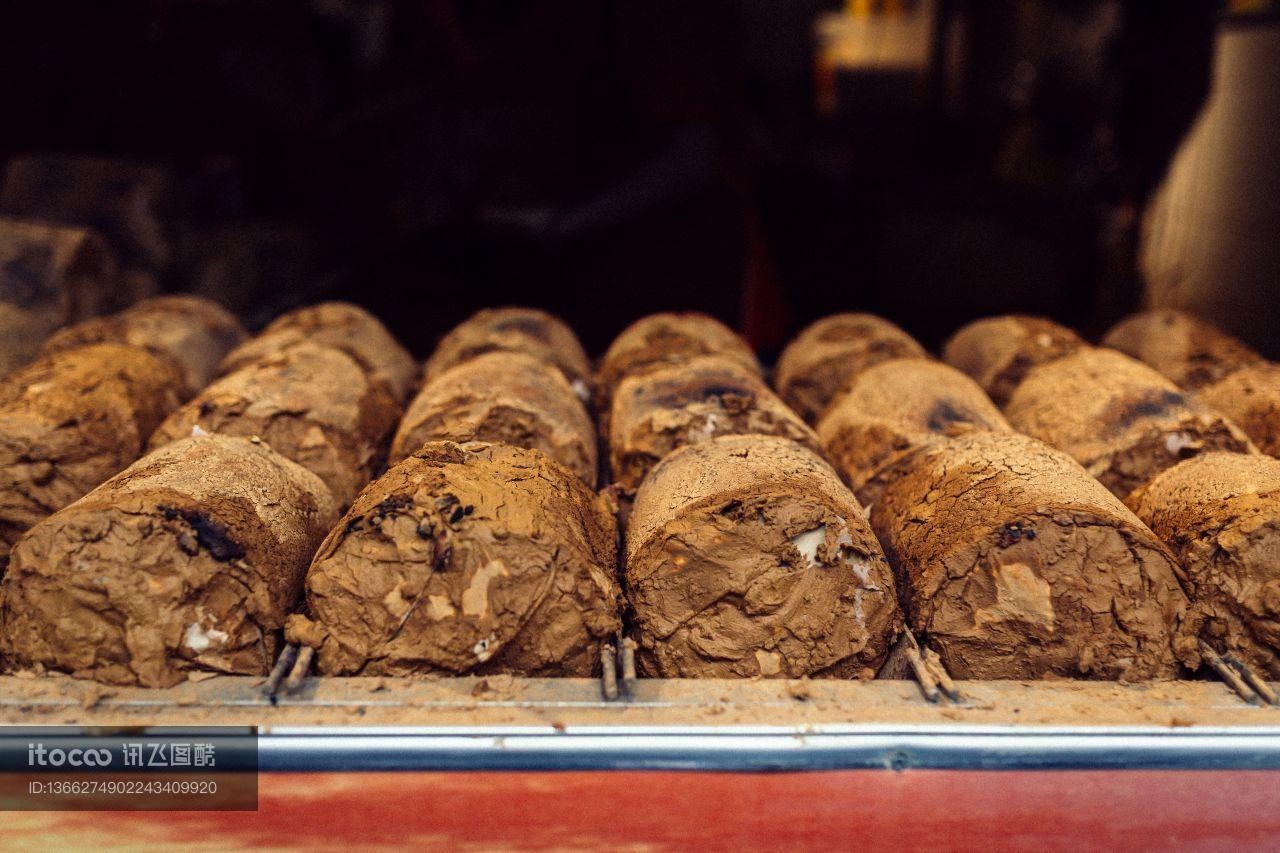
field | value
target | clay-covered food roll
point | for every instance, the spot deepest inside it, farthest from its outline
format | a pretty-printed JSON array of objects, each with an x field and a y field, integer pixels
[
  {"x": 998, "y": 352},
  {"x": 466, "y": 559},
  {"x": 660, "y": 340},
  {"x": 188, "y": 561},
  {"x": 657, "y": 411},
  {"x": 1187, "y": 350},
  {"x": 69, "y": 420},
  {"x": 313, "y": 404},
  {"x": 746, "y": 556},
  {"x": 1220, "y": 515},
  {"x": 1014, "y": 563},
  {"x": 193, "y": 332},
  {"x": 503, "y": 397},
  {"x": 340, "y": 325},
  {"x": 891, "y": 409},
  {"x": 513, "y": 329},
  {"x": 1250, "y": 397},
  {"x": 822, "y": 359},
  {"x": 1118, "y": 418}
]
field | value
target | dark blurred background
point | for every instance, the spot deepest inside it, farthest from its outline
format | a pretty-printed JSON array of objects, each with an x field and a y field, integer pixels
[{"x": 767, "y": 161}]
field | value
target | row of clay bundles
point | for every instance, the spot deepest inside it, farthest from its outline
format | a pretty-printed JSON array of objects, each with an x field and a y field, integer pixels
[
  {"x": 745, "y": 555},
  {"x": 1131, "y": 427},
  {"x": 1225, "y": 374},
  {"x": 85, "y": 408},
  {"x": 1120, "y": 419},
  {"x": 330, "y": 407},
  {"x": 190, "y": 560}
]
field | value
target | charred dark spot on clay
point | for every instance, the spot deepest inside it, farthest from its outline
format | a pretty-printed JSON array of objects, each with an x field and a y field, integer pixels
[
  {"x": 1013, "y": 533},
  {"x": 452, "y": 509},
  {"x": 210, "y": 534},
  {"x": 943, "y": 415},
  {"x": 1147, "y": 406},
  {"x": 731, "y": 507},
  {"x": 206, "y": 409}
]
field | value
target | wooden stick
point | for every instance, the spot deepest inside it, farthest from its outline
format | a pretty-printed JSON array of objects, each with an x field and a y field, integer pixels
[
  {"x": 934, "y": 662},
  {"x": 287, "y": 656},
  {"x": 1228, "y": 674},
  {"x": 609, "y": 673},
  {"x": 1253, "y": 679},
  {"x": 300, "y": 669}
]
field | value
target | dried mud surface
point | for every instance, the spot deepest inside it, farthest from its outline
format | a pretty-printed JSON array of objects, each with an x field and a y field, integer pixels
[
  {"x": 1014, "y": 563},
  {"x": 746, "y": 557},
  {"x": 1121, "y": 420},
  {"x": 186, "y": 562},
  {"x": 1220, "y": 515},
  {"x": 998, "y": 352},
  {"x": 473, "y": 558},
  {"x": 507, "y": 398},
  {"x": 825, "y": 356}
]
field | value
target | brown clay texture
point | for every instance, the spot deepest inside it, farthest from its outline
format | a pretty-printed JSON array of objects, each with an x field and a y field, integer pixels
[
  {"x": 661, "y": 340},
  {"x": 894, "y": 407},
  {"x": 21, "y": 334},
  {"x": 340, "y": 325},
  {"x": 466, "y": 559},
  {"x": 1189, "y": 351},
  {"x": 313, "y": 404},
  {"x": 998, "y": 352},
  {"x": 1118, "y": 418},
  {"x": 528, "y": 330},
  {"x": 192, "y": 332},
  {"x": 65, "y": 272},
  {"x": 1220, "y": 515},
  {"x": 70, "y": 420},
  {"x": 745, "y": 557},
  {"x": 658, "y": 411},
  {"x": 188, "y": 561},
  {"x": 826, "y": 355},
  {"x": 1250, "y": 397},
  {"x": 505, "y": 398},
  {"x": 1014, "y": 563}
]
